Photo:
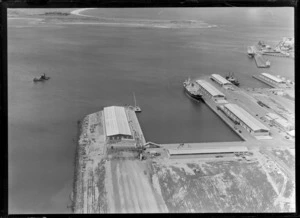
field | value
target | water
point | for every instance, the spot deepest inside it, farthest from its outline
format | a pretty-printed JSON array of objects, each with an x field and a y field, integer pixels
[{"x": 95, "y": 66}]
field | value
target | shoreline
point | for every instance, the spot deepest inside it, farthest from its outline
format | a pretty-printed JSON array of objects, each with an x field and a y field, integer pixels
[{"x": 78, "y": 11}]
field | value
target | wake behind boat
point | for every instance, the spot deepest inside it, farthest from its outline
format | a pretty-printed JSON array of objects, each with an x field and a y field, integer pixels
[{"x": 192, "y": 89}]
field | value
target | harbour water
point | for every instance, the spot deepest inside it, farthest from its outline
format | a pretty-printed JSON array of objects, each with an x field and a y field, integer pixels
[{"x": 92, "y": 66}]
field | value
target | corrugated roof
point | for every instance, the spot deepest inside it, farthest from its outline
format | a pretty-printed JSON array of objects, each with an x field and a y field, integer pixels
[
  {"x": 116, "y": 121},
  {"x": 273, "y": 116},
  {"x": 292, "y": 132},
  {"x": 221, "y": 79},
  {"x": 207, "y": 150},
  {"x": 211, "y": 89},
  {"x": 276, "y": 79},
  {"x": 282, "y": 122},
  {"x": 247, "y": 118}
]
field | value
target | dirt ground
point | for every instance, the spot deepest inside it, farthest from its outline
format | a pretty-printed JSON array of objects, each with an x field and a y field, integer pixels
[
  {"x": 263, "y": 184},
  {"x": 129, "y": 188}
]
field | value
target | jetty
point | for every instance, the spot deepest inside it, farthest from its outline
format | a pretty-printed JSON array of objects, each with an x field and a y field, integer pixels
[
  {"x": 113, "y": 156},
  {"x": 260, "y": 61}
]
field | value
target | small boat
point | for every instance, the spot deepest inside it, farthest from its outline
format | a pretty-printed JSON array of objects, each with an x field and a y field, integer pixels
[
  {"x": 230, "y": 77},
  {"x": 250, "y": 51},
  {"x": 191, "y": 89},
  {"x": 136, "y": 108},
  {"x": 268, "y": 63},
  {"x": 41, "y": 79}
]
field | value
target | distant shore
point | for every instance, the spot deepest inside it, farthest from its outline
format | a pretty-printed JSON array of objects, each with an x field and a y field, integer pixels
[{"x": 71, "y": 16}]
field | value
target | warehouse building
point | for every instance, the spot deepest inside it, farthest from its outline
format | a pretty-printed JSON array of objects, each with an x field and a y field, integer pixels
[
  {"x": 283, "y": 124},
  {"x": 207, "y": 89},
  {"x": 221, "y": 81},
  {"x": 279, "y": 121},
  {"x": 273, "y": 80},
  {"x": 116, "y": 123},
  {"x": 246, "y": 120},
  {"x": 197, "y": 152}
]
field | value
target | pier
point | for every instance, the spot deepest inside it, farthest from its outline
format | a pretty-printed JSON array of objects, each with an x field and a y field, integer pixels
[
  {"x": 260, "y": 61},
  {"x": 264, "y": 81},
  {"x": 276, "y": 54},
  {"x": 105, "y": 156}
]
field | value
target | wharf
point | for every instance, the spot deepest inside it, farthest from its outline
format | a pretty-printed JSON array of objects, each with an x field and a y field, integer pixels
[
  {"x": 135, "y": 126},
  {"x": 276, "y": 54},
  {"x": 204, "y": 145},
  {"x": 232, "y": 97},
  {"x": 260, "y": 61},
  {"x": 264, "y": 81}
]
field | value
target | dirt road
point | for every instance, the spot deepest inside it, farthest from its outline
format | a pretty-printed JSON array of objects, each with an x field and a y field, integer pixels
[{"x": 129, "y": 189}]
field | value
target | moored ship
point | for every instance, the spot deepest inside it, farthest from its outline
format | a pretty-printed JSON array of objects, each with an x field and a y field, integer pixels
[
  {"x": 230, "y": 77},
  {"x": 192, "y": 89}
]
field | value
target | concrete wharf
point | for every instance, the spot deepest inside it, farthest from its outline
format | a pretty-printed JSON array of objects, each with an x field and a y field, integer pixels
[
  {"x": 276, "y": 54},
  {"x": 265, "y": 81},
  {"x": 214, "y": 145},
  {"x": 135, "y": 126},
  {"x": 260, "y": 61}
]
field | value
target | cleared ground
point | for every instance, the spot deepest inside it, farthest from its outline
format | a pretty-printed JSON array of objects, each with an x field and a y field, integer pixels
[
  {"x": 258, "y": 185},
  {"x": 129, "y": 188}
]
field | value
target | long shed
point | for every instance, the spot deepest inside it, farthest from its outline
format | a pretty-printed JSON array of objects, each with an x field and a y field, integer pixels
[
  {"x": 245, "y": 119},
  {"x": 210, "y": 90},
  {"x": 221, "y": 80},
  {"x": 206, "y": 151},
  {"x": 116, "y": 123}
]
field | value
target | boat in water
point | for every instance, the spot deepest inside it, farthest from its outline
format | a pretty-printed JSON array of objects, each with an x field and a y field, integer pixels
[
  {"x": 41, "y": 79},
  {"x": 192, "y": 89},
  {"x": 230, "y": 77}
]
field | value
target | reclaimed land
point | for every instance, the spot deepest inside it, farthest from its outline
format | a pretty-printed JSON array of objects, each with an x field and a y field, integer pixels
[
  {"x": 258, "y": 185},
  {"x": 114, "y": 181}
]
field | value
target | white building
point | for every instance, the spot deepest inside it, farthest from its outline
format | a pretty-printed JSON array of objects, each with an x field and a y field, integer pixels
[
  {"x": 207, "y": 89},
  {"x": 246, "y": 120},
  {"x": 221, "y": 81},
  {"x": 291, "y": 133},
  {"x": 273, "y": 80},
  {"x": 177, "y": 153},
  {"x": 279, "y": 121},
  {"x": 116, "y": 123}
]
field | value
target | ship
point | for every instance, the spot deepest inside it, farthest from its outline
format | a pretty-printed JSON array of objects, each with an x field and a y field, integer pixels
[
  {"x": 191, "y": 89},
  {"x": 230, "y": 77}
]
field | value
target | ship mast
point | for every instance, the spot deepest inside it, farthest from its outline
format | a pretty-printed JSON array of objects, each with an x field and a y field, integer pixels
[{"x": 134, "y": 100}]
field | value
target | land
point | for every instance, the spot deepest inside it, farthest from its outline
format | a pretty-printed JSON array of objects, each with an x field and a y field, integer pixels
[
  {"x": 73, "y": 16},
  {"x": 114, "y": 181}
]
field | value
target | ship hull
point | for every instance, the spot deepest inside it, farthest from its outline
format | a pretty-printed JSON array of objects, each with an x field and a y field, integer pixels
[{"x": 194, "y": 96}]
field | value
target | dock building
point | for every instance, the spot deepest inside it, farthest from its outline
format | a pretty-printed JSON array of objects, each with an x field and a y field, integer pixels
[
  {"x": 207, "y": 89},
  {"x": 246, "y": 120},
  {"x": 221, "y": 81},
  {"x": 279, "y": 121},
  {"x": 196, "y": 152},
  {"x": 116, "y": 123},
  {"x": 273, "y": 80}
]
